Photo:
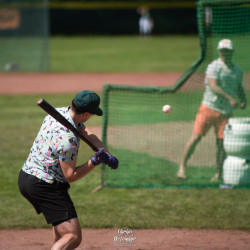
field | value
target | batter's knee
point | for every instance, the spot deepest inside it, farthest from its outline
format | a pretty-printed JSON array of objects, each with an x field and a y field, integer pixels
[
  {"x": 77, "y": 240},
  {"x": 78, "y": 237}
]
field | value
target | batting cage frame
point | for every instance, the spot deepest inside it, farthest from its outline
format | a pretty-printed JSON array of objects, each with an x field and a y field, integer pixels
[{"x": 150, "y": 143}]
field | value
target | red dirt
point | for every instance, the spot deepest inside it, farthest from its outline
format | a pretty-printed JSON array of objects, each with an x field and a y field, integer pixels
[
  {"x": 153, "y": 239},
  {"x": 95, "y": 239},
  {"x": 26, "y": 83}
]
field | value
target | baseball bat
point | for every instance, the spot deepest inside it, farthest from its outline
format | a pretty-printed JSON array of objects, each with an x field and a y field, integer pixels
[{"x": 61, "y": 119}]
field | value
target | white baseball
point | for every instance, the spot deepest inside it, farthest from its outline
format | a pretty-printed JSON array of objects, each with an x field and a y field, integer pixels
[{"x": 166, "y": 109}]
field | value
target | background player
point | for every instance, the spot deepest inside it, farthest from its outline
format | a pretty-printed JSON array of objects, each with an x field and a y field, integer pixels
[
  {"x": 223, "y": 82},
  {"x": 146, "y": 22}
]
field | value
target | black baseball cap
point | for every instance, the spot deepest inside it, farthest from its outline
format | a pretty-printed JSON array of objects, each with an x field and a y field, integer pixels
[{"x": 88, "y": 101}]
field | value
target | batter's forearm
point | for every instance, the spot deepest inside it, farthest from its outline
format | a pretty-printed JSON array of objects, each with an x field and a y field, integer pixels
[
  {"x": 81, "y": 171},
  {"x": 97, "y": 142},
  {"x": 93, "y": 138}
]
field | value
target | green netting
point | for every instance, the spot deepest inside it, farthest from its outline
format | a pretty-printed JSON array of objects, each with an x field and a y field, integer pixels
[
  {"x": 24, "y": 34},
  {"x": 149, "y": 143}
]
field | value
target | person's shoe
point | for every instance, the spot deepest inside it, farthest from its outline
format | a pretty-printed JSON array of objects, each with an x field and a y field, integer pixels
[{"x": 181, "y": 174}]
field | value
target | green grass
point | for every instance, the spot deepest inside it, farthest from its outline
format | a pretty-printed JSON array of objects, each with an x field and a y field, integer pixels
[
  {"x": 14, "y": 49},
  {"x": 113, "y": 207},
  {"x": 151, "y": 103},
  {"x": 123, "y": 53},
  {"x": 110, "y": 207},
  {"x": 139, "y": 171}
]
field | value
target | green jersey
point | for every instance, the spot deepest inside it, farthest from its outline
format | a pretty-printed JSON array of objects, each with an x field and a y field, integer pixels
[{"x": 228, "y": 79}]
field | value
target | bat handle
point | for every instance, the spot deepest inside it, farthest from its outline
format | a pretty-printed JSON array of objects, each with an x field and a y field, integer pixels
[{"x": 40, "y": 101}]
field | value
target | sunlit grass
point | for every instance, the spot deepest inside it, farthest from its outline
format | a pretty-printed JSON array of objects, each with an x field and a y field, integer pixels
[
  {"x": 123, "y": 53},
  {"x": 110, "y": 207}
]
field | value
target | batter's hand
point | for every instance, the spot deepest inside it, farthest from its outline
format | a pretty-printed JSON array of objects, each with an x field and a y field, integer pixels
[
  {"x": 100, "y": 157},
  {"x": 103, "y": 157},
  {"x": 112, "y": 161}
]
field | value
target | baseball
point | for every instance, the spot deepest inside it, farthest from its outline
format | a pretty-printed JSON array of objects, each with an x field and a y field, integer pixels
[{"x": 166, "y": 109}]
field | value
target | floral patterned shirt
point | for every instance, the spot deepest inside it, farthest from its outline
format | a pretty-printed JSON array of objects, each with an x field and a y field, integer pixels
[{"x": 54, "y": 143}]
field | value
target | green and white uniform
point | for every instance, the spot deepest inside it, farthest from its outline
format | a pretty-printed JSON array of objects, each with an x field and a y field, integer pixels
[{"x": 228, "y": 79}]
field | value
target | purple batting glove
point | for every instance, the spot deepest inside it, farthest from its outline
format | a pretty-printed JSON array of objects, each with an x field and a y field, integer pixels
[
  {"x": 100, "y": 157},
  {"x": 112, "y": 161}
]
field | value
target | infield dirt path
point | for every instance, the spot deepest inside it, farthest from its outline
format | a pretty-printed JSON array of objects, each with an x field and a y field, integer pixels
[
  {"x": 26, "y": 83},
  {"x": 147, "y": 239},
  {"x": 102, "y": 239}
]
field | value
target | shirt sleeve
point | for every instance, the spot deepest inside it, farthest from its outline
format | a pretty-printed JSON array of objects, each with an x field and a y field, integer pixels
[
  {"x": 67, "y": 148},
  {"x": 212, "y": 71}
]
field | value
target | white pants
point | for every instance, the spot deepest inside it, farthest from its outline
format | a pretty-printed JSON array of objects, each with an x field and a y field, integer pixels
[{"x": 145, "y": 25}]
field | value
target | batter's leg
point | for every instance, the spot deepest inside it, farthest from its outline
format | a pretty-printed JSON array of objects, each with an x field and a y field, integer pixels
[{"x": 67, "y": 235}]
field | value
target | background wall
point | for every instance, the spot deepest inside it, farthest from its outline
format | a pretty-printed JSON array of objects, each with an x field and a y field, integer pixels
[{"x": 116, "y": 17}]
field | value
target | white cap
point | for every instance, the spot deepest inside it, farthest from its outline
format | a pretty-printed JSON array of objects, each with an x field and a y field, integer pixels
[{"x": 225, "y": 44}]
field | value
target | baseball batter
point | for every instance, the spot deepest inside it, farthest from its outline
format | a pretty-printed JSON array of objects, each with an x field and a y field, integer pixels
[{"x": 51, "y": 165}]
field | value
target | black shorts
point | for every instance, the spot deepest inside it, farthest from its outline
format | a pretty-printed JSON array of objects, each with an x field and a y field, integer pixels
[{"x": 52, "y": 200}]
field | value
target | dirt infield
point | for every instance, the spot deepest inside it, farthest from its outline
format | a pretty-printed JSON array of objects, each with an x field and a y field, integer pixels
[
  {"x": 95, "y": 239},
  {"x": 158, "y": 239},
  {"x": 24, "y": 83}
]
